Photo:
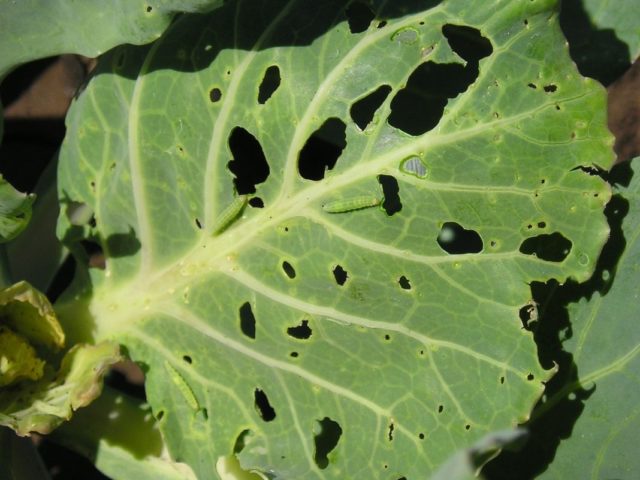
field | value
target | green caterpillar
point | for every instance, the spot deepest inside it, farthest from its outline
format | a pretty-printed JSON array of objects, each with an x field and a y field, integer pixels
[
  {"x": 350, "y": 204},
  {"x": 182, "y": 385},
  {"x": 230, "y": 214}
]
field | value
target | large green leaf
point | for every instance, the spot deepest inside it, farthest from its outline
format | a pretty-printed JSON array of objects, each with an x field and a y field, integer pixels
[
  {"x": 605, "y": 345},
  {"x": 32, "y": 29},
  {"x": 250, "y": 334},
  {"x": 620, "y": 16}
]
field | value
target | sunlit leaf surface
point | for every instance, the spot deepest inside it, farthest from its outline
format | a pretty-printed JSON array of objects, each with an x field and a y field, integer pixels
[{"x": 320, "y": 223}]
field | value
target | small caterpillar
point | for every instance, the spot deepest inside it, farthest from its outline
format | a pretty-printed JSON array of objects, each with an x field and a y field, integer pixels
[
  {"x": 229, "y": 214},
  {"x": 182, "y": 385},
  {"x": 350, "y": 204}
]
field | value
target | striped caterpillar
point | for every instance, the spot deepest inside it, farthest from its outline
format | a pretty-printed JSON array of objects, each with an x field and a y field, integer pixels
[
  {"x": 230, "y": 214},
  {"x": 182, "y": 385},
  {"x": 350, "y": 204}
]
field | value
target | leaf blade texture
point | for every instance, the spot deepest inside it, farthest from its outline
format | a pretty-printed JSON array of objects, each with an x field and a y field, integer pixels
[{"x": 324, "y": 345}]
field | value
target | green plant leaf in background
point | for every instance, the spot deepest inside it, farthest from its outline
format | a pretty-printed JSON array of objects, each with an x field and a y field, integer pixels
[
  {"x": 605, "y": 342},
  {"x": 33, "y": 29},
  {"x": 621, "y": 16},
  {"x": 604, "y": 36},
  {"x": 282, "y": 210},
  {"x": 15, "y": 211},
  {"x": 36, "y": 395}
]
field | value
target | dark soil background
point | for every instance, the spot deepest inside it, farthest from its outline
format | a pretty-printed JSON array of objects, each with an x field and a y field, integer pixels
[{"x": 36, "y": 97}]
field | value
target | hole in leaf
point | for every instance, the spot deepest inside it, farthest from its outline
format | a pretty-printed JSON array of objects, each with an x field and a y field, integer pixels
[
  {"x": 301, "y": 332},
  {"x": 270, "y": 83},
  {"x": 530, "y": 377},
  {"x": 359, "y": 17},
  {"x": 325, "y": 441},
  {"x": 363, "y": 111},
  {"x": 160, "y": 415},
  {"x": 542, "y": 224},
  {"x": 390, "y": 190},
  {"x": 187, "y": 359},
  {"x": 241, "y": 441},
  {"x": 467, "y": 427},
  {"x": 340, "y": 274},
  {"x": 149, "y": 9},
  {"x": 419, "y": 106},
  {"x": 288, "y": 269},
  {"x": 294, "y": 354},
  {"x": 387, "y": 337},
  {"x": 501, "y": 380},
  {"x": 526, "y": 314},
  {"x": 264, "y": 408},
  {"x": 414, "y": 166},
  {"x": 390, "y": 434},
  {"x": 249, "y": 164},
  {"x": 531, "y": 85},
  {"x": 440, "y": 408},
  {"x": 404, "y": 283},
  {"x": 550, "y": 88},
  {"x": 382, "y": 24},
  {"x": 247, "y": 320},
  {"x": 198, "y": 224},
  {"x": 205, "y": 413},
  {"x": 215, "y": 94},
  {"x": 322, "y": 149},
  {"x": 454, "y": 239},
  {"x": 421, "y": 436},
  {"x": 552, "y": 247},
  {"x": 467, "y": 42},
  {"x": 256, "y": 202}
]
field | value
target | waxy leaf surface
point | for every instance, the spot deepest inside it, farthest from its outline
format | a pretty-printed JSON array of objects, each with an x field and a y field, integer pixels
[{"x": 320, "y": 223}]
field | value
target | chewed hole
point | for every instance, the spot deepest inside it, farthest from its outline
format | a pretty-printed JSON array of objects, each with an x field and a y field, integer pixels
[
  {"x": 414, "y": 166},
  {"x": 241, "y": 441},
  {"x": 363, "y": 111},
  {"x": 198, "y": 224},
  {"x": 215, "y": 94},
  {"x": 421, "y": 436},
  {"x": 288, "y": 269},
  {"x": 301, "y": 332},
  {"x": 325, "y": 441},
  {"x": 552, "y": 247},
  {"x": 467, "y": 42},
  {"x": 247, "y": 320},
  {"x": 404, "y": 283},
  {"x": 160, "y": 415},
  {"x": 455, "y": 239},
  {"x": 440, "y": 408},
  {"x": 391, "y": 192},
  {"x": 294, "y": 354},
  {"x": 270, "y": 83},
  {"x": 419, "y": 106},
  {"x": 263, "y": 407},
  {"x": 322, "y": 149},
  {"x": 550, "y": 88},
  {"x": 390, "y": 431},
  {"x": 359, "y": 16},
  {"x": 501, "y": 380},
  {"x": 532, "y": 85},
  {"x": 249, "y": 164},
  {"x": 149, "y": 9},
  {"x": 530, "y": 377},
  {"x": 187, "y": 359},
  {"x": 340, "y": 275},
  {"x": 256, "y": 202}
]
